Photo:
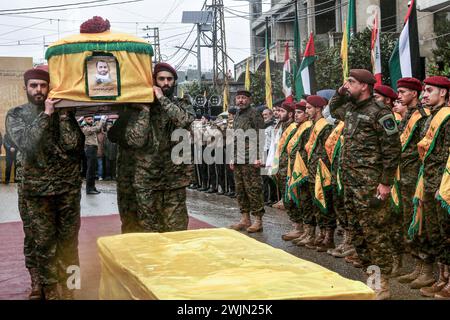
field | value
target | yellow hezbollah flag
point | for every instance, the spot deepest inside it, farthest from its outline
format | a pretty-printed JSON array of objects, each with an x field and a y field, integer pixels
[
  {"x": 268, "y": 83},
  {"x": 344, "y": 52},
  {"x": 323, "y": 182},
  {"x": 225, "y": 97},
  {"x": 247, "y": 76},
  {"x": 444, "y": 189}
]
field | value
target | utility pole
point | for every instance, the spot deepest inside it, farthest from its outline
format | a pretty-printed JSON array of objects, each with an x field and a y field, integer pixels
[
  {"x": 220, "y": 57},
  {"x": 199, "y": 50},
  {"x": 154, "y": 41}
]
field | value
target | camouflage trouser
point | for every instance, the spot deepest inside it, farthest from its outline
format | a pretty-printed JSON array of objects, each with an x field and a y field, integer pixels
[
  {"x": 306, "y": 205},
  {"x": 372, "y": 241},
  {"x": 328, "y": 219},
  {"x": 28, "y": 241},
  {"x": 435, "y": 239},
  {"x": 162, "y": 210},
  {"x": 249, "y": 192},
  {"x": 127, "y": 203},
  {"x": 339, "y": 209},
  {"x": 294, "y": 213},
  {"x": 55, "y": 227}
]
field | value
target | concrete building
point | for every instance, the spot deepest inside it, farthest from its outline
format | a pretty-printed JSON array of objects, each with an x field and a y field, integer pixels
[{"x": 325, "y": 19}]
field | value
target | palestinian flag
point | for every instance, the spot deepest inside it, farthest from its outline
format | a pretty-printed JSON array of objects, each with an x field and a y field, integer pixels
[
  {"x": 306, "y": 80},
  {"x": 405, "y": 59},
  {"x": 287, "y": 85}
]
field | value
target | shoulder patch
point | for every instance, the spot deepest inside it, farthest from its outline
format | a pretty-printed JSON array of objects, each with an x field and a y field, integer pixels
[{"x": 389, "y": 124}]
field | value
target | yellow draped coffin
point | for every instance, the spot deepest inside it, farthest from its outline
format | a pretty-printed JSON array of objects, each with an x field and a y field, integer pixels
[
  {"x": 72, "y": 66},
  {"x": 213, "y": 264}
]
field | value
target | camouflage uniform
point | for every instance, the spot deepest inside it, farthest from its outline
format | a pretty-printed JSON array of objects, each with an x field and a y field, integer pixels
[
  {"x": 247, "y": 176},
  {"x": 126, "y": 166},
  {"x": 159, "y": 183},
  {"x": 338, "y": 199},
  {"x": 436, "y": 227},
  {"x": 370, "y": 156},
  {"x": 51, "y": 150},
  {"x": 323, "y": 220},
  {"x": 409, "y": 170}
]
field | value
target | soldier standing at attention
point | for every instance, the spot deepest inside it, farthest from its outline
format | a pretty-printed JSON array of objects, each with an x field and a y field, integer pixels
[
  {"x": 410, "y": 129},
  {"x": 159, "y": 183},
  {"x": 371, "y": 155},
  {"x": 247, "y": 175},
  {"x": 51, "y": 144}
]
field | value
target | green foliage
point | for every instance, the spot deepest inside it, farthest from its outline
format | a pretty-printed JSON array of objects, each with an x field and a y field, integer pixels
[
  {"x": 329, "y": 64},
  {"x": 441, "y": 65},
  {"x": 258, "y": 86}
]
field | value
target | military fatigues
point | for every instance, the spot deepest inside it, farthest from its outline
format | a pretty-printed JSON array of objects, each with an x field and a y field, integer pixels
[
  {"x": 370, "y": 156},
  {"x": 159, "y": 183},
  {"x": 322, "y": 219},
  {"x": 247, "y": 176},
  {"x": 282, "y": 173},
  {"x": 51, "y": 152},
  {"x": 436, "y": 226},
  {"x": 297, "y": 213},
  {"x": 126, "y": 166},
  {"x": 409, "y": 170}
]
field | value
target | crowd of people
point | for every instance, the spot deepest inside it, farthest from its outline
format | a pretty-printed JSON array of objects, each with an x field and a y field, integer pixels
[{"x": 365, "y": 158}]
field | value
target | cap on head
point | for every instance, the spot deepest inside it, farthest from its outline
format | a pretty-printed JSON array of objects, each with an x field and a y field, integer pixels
[
  {"x": 410, "y": 83},
  {"x": 162, "y": 66},
  {"x": 386, "y": 91},
  {"x": 243, "y": 93},
  {"x": 301, "y": 106},
  {"x": 438, "y": 81},
  {"x": 363, "y": 75},
  {"x": 36, "y": 73},
  {"x": 316, "y": 101}
]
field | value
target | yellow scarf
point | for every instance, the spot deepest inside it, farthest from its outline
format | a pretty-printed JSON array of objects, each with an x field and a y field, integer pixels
[
  {"x": 444, "y": 188},
  {"x": 282, "y": 143},
  {"x": 312, "y": 141},
  {"x": 299, "y": 172},
  {"x": 405, "y": 139},
  {"x": 333, "y": 148},
  {"x": 323, "y": 182},
  {"x": 425, "y": 147},
  {"x": 398, "y": 117}
]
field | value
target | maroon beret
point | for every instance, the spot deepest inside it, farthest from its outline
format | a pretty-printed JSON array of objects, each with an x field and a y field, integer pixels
[
  {"x": 410, "y": 83},
  {"x": 363, "y": 75},
  {"x": 316, "y": 101},
  {"x": 243, "y": 93},
  {"x": 162, "y": 66},
  {"x": 301, "y": 105},
  {"x": 288, "y": 106},
  {"x": 37, "y": 74},
  {"x": 386, "y": 91},
  {"x": 438, "y": 81}
]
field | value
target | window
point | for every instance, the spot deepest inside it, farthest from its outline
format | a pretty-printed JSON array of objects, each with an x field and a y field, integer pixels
[
  {"x": 325, "y": 16},
  {"x": 388, "y": 10}
]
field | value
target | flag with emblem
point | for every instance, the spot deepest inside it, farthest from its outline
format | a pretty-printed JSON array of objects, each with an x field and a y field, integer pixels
[
  {"x": 405, "y": 59},
  {"x": 268, "y": 87},
  {"x": 247, "y": 76},
  {"x": 306, "y": 79},
  {"x": 287, "y": 85}
]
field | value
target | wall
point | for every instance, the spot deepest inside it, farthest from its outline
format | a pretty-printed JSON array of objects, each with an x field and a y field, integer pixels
[{"x": 11, "y": 84}]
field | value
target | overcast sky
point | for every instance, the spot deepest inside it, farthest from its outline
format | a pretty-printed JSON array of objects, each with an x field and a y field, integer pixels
[{"x": 165, "y": 14}]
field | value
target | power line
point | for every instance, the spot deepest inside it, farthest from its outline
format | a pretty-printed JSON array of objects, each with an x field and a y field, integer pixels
[{"x": 54, "y": 6}]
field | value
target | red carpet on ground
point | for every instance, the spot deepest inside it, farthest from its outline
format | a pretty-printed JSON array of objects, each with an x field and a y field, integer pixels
[{"x": 14, "y": 278}]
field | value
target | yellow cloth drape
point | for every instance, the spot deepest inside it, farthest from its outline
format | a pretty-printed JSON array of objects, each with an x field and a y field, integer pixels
[
  {"x": 213, "y": 264},
  {"x": 444, "y": 188},
  {"x": 322, "y": 182},
  {"x": 316, "y": 130}
]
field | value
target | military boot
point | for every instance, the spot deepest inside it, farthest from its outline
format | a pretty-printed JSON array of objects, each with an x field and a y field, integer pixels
[
  {"x": 320, "y": 236},
  {"x": 294, "y": 233},
  {"x": 407, "y": 278},
  {"x": 439, "y": 285},
  {"x": 308, "y": 236},
  {"x": 36, "y": 290},
  {"x": 445, "y": 292},
  {"x": 302, "y": 236},
  {"x": 396, "y": 266},
  {"x": 347, "y": 249},
  {"x": 384, "y": 292},
  {"x": 328, "y": 241},
  {"x": 354, "y": 260},
  {"x": 243, "y": 224},
  {"x": 425, "y": 277},
  {"x": 279, "y": 205},
  {"x": 257, "y": 225},
  {"x": 338, "y": 249},
  {"x": 51, "y": 292}
]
